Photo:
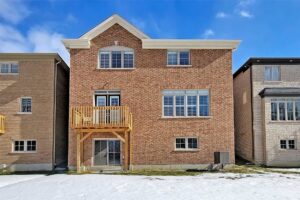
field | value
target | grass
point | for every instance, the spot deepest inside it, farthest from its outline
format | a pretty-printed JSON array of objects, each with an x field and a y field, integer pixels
[
  {"x": 159, "y": 173},
  {"x": 244, "y": 169}
]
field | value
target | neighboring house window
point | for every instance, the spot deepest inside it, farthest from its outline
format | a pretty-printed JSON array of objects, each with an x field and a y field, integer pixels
[
  {"x": 116, "y": 57},
  {"x": 26, "y": 105},
  {"x": 287, "y": 144},
  {"x": 272, "y": 73},
  {"x": 186, "y": 143},
  {"x": 287, "y": 110},
  {"x": 185, "y": 103},
  {"x": 9, "y": 68},
  {"x": 24, "y": 146},
  {"x": 178, "y": 58}
]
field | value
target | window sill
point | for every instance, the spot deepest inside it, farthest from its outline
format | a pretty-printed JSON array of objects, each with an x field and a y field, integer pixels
[
  {"x": 179, "y": 66},
  {"x": 283, "y": 150},
  {"x": 125, "y": 69},
  {"x": 9, "y": 74},
  {"x": 188, "y": 117},
  {"x": 186, "y": 150},
  {"x": 23, "y": 152},
  {"x": 287, "y": 122},
  {"x": 266, "y": 82},
  {"x": 24, "y": 113}
]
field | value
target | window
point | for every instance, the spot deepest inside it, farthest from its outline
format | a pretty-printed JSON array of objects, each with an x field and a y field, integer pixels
[
  {"x": 178, "y": 58},
  {"x": 185, "y": 103},
  {"x": 24, "y": 146},
  {"x": 285, "y": 110},
  {"x": 187, "y": 143},
  {"x": 287, "y": 144},
  {"x": 9, "y": 68},
  {"x": 26, "y": 105},
  {"x": 272, "y": 73},
  {"x": 168, "y": 106},
  {"x": 116, "y": 57}
]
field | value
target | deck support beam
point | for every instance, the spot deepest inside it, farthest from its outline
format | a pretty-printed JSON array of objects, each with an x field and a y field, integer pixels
[{"x": 78, "y": 148}]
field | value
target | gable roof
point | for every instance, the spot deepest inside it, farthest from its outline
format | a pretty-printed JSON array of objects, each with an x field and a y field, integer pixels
[
  {"x": 114, "y": 19},
  {"x": 266, "y": 61},
  {"x": 147, "y": 43}
]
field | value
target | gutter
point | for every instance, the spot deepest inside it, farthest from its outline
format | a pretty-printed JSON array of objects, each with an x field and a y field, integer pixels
[{"x": 54, "y": 115}]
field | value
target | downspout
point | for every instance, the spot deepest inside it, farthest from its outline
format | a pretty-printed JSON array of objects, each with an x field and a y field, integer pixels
[{"x": 54, "y": 116}]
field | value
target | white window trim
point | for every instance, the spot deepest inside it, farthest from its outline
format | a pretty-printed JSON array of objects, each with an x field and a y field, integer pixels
[
  {"x": 270, "y": 81},
  {"x": 109, "y": 50},
  {"x": 10, "y": 62},
  {"x": 25, "y": 146},
  {"x": 20, "y": 106},
  {"x": 186, "y": 106},
  {"x": 287, "y": 144},
  {"x": 178, "y": 58},
  {"x": 285, "y": 101},
  {"x": 186, "y": 144}
]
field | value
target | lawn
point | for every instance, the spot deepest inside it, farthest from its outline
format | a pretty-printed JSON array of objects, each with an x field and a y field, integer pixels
[{"x": 153, "y": 185}]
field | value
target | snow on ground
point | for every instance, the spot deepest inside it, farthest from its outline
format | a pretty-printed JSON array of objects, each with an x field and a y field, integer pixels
[{"x": 109, "y": 187}]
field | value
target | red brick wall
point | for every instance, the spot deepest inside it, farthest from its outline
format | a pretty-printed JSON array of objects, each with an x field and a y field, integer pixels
[{"x": 141, "y": 90}]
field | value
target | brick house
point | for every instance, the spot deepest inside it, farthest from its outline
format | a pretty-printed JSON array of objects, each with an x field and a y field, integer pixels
[
  {"x": 34, "y": 111},
  {"x": 267, "y": 111},
  {"x": 139, "y": 103}
]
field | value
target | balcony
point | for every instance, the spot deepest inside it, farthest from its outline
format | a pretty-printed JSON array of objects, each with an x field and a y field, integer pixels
[
  {"x": 102, "y": 117},
  {"x": 2, "y": 124}
]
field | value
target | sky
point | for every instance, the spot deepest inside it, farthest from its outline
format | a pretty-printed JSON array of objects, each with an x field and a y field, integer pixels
[{"x": 266, "y": 28}]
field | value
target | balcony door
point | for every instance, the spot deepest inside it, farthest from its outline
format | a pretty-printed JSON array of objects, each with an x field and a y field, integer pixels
[
  {"x": 107, "y": 100},
  {"x": 106, "y": 116}
]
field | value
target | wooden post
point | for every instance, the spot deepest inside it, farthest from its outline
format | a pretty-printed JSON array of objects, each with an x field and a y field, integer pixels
[
  {"x": 81, "y": 149},
  {"x": 126, "y": 151},
  {"x": 78, "y": 152}
]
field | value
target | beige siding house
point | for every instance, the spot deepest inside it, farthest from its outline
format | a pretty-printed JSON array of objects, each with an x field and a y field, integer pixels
[
  {"x": 142, "y": 103},
  {"x": 267, "y": 111},
  {"x": 34, "y": 105}
]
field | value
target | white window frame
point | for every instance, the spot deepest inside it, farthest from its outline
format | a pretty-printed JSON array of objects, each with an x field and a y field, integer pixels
[
  {"x": 272, "y": 66},
  {"x": 285, "y": 101},
  {"x": 186, "y": 94},
  {"x": 25, "y": 146},
  {"x": 109, "y": 50},
  {"x": 178, "y": 58},
  {"x": 10, "y": 63},
  {"x": 187, "y": 144},
  {"x": 20, "y": 108},
  {"x": 287, "y": 144}
]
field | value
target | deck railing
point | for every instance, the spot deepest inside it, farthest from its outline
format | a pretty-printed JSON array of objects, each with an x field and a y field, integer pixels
[
  {"x": 100, "y": 117},
  {"x": 2, "y": 124}
]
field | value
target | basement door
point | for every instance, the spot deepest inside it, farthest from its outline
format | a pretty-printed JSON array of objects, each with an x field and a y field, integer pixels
[{"x": 107, "y": 152}]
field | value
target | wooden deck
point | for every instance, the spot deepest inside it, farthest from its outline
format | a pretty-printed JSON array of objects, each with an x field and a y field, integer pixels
[
  {"x": 87, "y": 120},
  {"x": 102, "y": 117},
  {"x": 2, "y": 124}
]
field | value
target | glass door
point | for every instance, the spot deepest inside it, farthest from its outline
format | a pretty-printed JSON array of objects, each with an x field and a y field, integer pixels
[{"x": 107, "y": 152}]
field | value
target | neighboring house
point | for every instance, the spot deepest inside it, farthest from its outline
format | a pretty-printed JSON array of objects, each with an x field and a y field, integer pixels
[
  {"x": 143, "y": 103},
  {"x": 267, "y": 111},
  {"x": 34, "y": 94}
]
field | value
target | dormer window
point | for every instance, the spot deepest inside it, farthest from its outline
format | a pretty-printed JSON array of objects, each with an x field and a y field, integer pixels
[
  {"x": 116, "y": 57},
  {"x": 178, "y": 58}
]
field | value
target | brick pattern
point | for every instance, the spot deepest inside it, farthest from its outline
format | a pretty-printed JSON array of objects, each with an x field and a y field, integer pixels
[
  {"x": 141, "y": 89},
  {"x": 243, "y": 115},
  {"x": 31, "y": 82}
]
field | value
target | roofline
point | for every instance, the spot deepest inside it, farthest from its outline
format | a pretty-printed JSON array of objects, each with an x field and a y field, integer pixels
[
  {"x": 32, "y": 56},
  {"x": 266, "y": 60},
  {"x": 189, "y": 44}
]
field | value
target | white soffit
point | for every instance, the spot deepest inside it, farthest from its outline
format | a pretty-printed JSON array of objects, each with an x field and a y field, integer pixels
[{"x": 189, "y": 44}]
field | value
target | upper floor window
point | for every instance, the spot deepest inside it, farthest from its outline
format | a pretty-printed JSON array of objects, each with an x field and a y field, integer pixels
[
  {"x": 272, "y": 73},
  {"x": 115, "y": 57},
  {"x": 285, "y": 110},
  {"x": 26, "y": 105},
  {"x": 178, "y": 58},
  {"x": 185, "y": 103},
  {"x": 9, "y": 68}
]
